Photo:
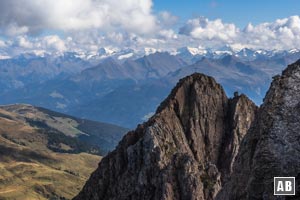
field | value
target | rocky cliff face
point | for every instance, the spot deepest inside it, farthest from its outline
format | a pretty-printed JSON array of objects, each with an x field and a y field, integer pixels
[
  {"x": 185, "y": 151},
  {"x": 272, "y": 146}
]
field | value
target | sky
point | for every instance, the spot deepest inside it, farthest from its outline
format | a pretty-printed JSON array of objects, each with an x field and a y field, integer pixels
[
  {"x": 49, "y": 26},
  {"x": 231, "y": 11}
]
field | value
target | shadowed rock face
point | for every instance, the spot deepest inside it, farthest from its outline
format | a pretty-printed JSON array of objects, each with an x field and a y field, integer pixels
[
  {"x": 272, "y": 146},
  {"x": 185, "y": 151}
]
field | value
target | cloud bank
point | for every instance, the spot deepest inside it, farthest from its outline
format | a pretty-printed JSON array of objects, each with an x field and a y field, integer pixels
[
  {"x": 35, "y": 16},
  {"x": 89, "y": 25},
  {"x": 281, "y": 34}
]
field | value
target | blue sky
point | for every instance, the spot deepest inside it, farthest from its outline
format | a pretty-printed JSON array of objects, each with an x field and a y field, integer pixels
[
  {"x": 238, "y": 12},
  {"x": 88, "y": 25}
]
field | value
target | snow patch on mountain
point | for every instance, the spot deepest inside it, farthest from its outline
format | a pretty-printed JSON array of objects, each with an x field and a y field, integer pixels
[{"x": 125, "y": 56}]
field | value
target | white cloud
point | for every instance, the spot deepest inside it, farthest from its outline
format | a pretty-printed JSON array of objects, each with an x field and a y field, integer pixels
[
  {"x": 88, "y": 25},
  {"x": 22, "y": 16},
  {"x": 23, "y": 42},
  {"x": 215, "y": 30},
  {"x": 37, "y": 45},
  {"x": 2, "y": 44},
  {"x": 167, "y": 19},
  {"x": 202, "y": 28},
  {"x": 210, "y": 33},
  {"x": 168, "y": 34},
  {"x": 13, "y": 29},
  {"x": 54, "y": 42},
  {"x": 281, "y": 34}
]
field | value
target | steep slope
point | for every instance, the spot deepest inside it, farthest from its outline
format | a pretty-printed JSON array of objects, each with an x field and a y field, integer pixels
[
  {"x": 32, "y": 165},
  {"x": 272, "y": 146},
  {"x": 178, "y": 153},
  {"x": 82, "y": 135},
  {"x": 241, "y": 114}
]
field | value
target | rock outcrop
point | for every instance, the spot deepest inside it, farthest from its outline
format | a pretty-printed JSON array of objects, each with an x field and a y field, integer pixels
[
  {"x": 185, "y": 151},
  {"x": 272, "y": 146}
]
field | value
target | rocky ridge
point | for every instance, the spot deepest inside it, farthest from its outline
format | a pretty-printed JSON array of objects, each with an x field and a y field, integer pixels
[
  {"x": 185, "y": 151},
  {"x": 202, "y": 145},
  {"x": 271, "y": 148}
]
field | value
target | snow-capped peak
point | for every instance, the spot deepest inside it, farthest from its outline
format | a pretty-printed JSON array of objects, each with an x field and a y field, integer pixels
[
  {"x": 148, "y": 50},
  {"x": 294, "y": 50},
  {"x": 125, "y": 56},
  {"x": 4, "y": 57},
  {"x": 192, "y": 50}
]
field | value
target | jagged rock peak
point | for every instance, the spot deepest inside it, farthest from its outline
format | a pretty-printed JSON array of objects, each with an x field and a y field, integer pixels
[
  {"x": 179, "y": 152},
  {"x": 271, "y": 148},
  {"x": 292, "y": 69},
  {"x": 184, "y": 85}
]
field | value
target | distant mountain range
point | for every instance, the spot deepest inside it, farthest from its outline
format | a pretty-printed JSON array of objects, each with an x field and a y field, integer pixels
[
  {"x": 191, "y": 55},
  {"x": 124, "y": 87},
  {"x": 188, "y": 54}
]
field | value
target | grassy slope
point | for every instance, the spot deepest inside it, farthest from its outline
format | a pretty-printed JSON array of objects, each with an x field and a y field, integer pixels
[
  {"x": 29, "y": 170},
  {"x": 101, "y": 135}
]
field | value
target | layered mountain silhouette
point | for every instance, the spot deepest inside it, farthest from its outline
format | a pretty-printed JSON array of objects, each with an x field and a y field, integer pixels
[
  {"x": 127, "y": 91},
  {"x": 200, "y": 144}
]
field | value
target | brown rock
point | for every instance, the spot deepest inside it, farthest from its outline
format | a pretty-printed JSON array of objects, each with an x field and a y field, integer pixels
[
  {"x": 272, "y": 146},
  {"x": 184, "y": 151}
]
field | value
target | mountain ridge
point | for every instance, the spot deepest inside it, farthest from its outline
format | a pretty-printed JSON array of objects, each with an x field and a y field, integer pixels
[
  {"x": 202, "y": 145},
  {"x": 101, "y": 97},
  {"x": 271, "y": 148},
  {"x": 152, "y": 161}
]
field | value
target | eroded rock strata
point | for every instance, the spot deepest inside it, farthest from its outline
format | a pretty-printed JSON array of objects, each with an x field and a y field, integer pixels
[
  {"x": 185, "y": 151},
  {"x": 272, "y": 146}
]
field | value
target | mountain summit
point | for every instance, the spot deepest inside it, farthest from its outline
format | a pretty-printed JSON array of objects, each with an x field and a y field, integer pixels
[
  {"x": 185, "y": 151},
  {"x": 202, "y": 145}
]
